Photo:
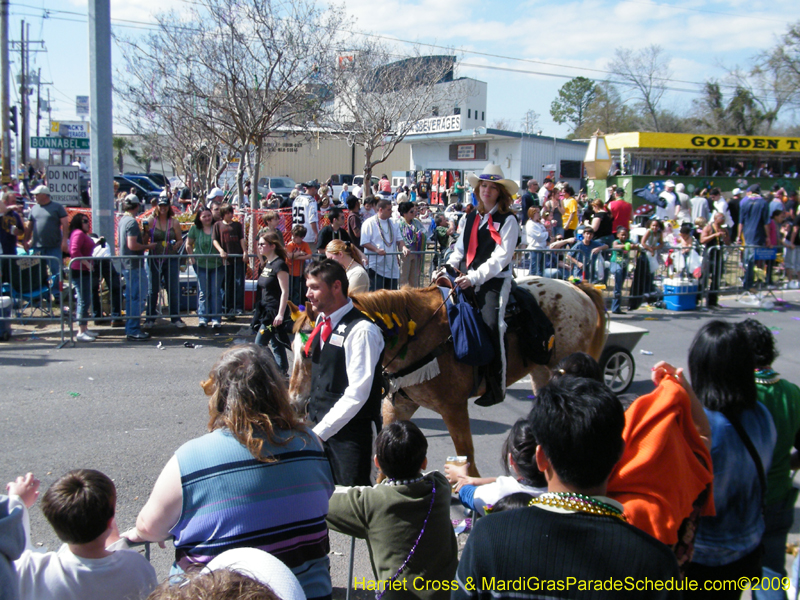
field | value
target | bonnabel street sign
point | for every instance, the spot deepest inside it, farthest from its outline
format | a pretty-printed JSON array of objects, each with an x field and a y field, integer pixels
[{"x": 54, "y": 143}]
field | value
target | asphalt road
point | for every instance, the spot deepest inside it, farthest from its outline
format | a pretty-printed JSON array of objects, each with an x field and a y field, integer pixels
[{"x": 124, "y": 408}]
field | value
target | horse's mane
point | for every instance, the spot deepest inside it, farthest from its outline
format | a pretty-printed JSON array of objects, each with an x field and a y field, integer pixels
[
  {"x": 394, "y": 306},
  {"x": 397, "y": 306}
]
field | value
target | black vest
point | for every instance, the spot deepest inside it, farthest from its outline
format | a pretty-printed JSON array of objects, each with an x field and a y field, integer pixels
[
  {"x": 486, "y": 244},
  {"x": 329, "y": 376}
]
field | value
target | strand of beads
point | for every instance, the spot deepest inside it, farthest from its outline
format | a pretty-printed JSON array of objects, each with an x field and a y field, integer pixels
[{"x": 577, "y": 502}]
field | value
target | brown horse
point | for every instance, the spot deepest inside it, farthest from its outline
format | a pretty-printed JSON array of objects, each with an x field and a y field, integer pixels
[{"x": 415, "y": 325}]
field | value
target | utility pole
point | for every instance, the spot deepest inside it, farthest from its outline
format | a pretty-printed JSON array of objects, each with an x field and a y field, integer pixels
[
  {"x": 101, "y": 123},
  {"x": 24, "y": 89},
  {"x": 23, "y": 99},
  {"x": 4, "y": 95}
]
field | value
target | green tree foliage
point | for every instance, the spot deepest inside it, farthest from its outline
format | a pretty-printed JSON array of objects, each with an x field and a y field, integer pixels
[
  {"x": 573, "y": 102},
  {"x": 608, "y": 113},
  {"x": 740, "y": 113}
]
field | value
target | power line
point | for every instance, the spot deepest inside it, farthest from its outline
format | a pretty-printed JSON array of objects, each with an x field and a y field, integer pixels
[
  {"x": 154, "y": 26},
  {"x": 701, "y": 10}
]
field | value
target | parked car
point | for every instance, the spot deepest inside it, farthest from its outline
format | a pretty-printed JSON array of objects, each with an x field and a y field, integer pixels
[
  {"x": 127, "y": 185},
  {"x": 282, "y": 186},
  {"x": 351, "y": 181},
  {"x": 145, "y": 181},
  {"x": 158, "y": 178}
]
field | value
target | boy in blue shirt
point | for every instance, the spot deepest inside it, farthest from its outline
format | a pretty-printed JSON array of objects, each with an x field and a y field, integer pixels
[{"x": 583, "y": 255}]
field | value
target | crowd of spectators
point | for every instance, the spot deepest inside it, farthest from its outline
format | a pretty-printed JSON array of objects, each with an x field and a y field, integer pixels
[
  {"x": 398, "y": 238},
  {"x": 690, "y": 483}
]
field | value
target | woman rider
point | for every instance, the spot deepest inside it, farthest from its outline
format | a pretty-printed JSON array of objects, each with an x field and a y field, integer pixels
[{"x": 486, "y": 248}]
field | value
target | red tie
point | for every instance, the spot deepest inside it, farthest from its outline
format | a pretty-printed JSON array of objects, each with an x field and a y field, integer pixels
[
  {"x": 472, "y": 248},
  {"x": 325, "y": 326}
]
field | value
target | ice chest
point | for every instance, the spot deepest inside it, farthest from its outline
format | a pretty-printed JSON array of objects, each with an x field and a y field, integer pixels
[
  {"x": 6, "y": 303},
  {"x": 189, "y": 290},
  {"x": 688, "y": 298},
  {"x": 250, "y": 287}
]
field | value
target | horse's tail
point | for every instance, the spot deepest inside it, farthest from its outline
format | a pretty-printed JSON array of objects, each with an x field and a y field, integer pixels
[{"x": 599, "y": 336}]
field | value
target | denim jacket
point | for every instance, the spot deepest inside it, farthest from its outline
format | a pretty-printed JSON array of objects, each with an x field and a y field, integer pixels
[{"x": 737, "y": 528}]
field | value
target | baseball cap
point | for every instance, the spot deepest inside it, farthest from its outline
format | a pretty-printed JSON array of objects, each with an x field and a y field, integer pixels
[{"x": 40, "y": 189}]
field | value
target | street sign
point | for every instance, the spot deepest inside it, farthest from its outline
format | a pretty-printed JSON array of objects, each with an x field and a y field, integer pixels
[
  {"x": 64, "y": 184},
  {"x": 81, "y": 105},
  {"x": 54, "y": 143},
  {"x": 71, "y": 129}
]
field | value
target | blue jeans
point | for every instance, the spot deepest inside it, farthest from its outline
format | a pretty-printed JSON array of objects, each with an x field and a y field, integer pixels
[
  {"x": 82, "y": 282},
  {"x": 233, "y": 299},
  {"x": 778, "y": 520},
  {"x": 209, "y": 293},
  {"x": 54, "y": 267},
  {"x": 133, "y": 300},
  {"x": 537, "y": 262},
  {"x": 618, "y": 271},
  {"x": 164, "y": 273},
  {"x": 749, "y": 261},
  {"x": 278, "y": 349}
]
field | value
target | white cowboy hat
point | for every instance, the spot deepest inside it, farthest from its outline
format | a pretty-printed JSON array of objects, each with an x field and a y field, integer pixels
[{"x": 493, "y": 173}]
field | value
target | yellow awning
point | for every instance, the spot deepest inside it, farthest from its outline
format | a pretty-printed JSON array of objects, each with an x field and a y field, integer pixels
[{"x": 702, "y": 141}]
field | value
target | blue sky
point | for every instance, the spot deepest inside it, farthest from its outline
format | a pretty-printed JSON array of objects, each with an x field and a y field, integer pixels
[{"x": 524, "y": 50}]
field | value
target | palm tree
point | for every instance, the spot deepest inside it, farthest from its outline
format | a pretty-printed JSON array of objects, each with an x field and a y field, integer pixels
[{"x": 121, "y": 145}]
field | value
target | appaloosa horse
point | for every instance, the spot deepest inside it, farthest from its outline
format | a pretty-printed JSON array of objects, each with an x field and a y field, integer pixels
[{"x": 415, "y": 327}]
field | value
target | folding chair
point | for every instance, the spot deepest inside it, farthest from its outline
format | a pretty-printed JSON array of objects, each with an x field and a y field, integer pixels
[{"x": 30, "y": 286}]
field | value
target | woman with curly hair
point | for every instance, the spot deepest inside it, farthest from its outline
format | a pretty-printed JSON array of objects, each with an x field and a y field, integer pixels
[{"x": 259, "y": 479}]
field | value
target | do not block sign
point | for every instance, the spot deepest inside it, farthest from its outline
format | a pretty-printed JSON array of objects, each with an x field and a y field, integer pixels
[{"x": 64, "y": 184}]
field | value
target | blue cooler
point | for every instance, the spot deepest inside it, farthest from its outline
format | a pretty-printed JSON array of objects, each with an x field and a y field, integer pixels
[
  {"x": 688, "y": 298},
  {"x": 6, "y": 303}
]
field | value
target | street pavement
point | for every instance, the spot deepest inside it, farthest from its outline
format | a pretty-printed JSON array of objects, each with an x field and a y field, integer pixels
[{"x": 124, "y": 408}]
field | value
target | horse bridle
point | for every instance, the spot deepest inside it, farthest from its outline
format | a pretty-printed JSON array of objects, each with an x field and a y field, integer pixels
[
  {"x": 405, "y": 345},
  {"x": 437, "y": 351}
]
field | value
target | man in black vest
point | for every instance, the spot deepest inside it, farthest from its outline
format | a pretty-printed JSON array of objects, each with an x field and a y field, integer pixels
[{"x": 346, "y": 350}]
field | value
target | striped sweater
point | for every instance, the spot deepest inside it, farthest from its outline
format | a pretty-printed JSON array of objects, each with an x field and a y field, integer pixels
[{"x": 231, "y": 500}]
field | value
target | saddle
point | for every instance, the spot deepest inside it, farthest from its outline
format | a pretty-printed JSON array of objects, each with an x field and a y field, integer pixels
[{"x": 536, "y": 336}]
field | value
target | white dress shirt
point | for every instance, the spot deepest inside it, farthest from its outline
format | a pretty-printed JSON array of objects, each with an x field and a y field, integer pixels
[
  {"x": 362, "y": 349},
  {"x": 501, "y": 256}
]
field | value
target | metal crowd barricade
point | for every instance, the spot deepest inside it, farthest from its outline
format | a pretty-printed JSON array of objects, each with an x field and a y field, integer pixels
[
  {"x": 32, "y": 283},
  {"x": 393, "y": 270},
  {"x": 723, "y": 271},
  {"x": 172, "y": 286}
]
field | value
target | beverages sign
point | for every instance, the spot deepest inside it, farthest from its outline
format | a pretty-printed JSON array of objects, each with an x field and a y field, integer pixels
[
  {"x": 434, "y": 125},
  {"x": 70, "y": 129}
]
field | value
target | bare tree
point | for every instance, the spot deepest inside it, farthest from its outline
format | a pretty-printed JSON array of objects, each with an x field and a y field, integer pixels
[
  {"x": 221, "y": 76},
  {"x": 530, "y": 122},
  {"x": 377, "y": 100},
  {"x": 646, "y": 71},
  {"x": 502, "y": 123}
]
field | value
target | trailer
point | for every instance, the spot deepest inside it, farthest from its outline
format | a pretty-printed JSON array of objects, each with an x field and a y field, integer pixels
[{"x": 616, "y": 361}]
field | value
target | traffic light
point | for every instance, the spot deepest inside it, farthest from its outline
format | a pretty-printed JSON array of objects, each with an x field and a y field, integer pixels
[{"x": 12, "y": 119}]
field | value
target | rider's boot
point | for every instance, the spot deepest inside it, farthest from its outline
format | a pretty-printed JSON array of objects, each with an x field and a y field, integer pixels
[{"x": 494, "y": 388}]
